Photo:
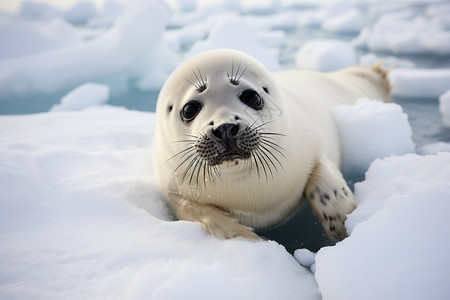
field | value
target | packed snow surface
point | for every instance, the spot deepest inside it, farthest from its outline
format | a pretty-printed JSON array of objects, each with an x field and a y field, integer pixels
[
  {"x": 398, "y": 247},
  {"x": 80, "y": 218}
]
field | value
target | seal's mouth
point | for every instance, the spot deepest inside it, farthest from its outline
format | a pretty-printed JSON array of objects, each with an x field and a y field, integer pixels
[{"x": 230, "y": 156}]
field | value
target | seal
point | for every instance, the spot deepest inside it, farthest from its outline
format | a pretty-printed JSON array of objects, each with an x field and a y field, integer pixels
[{"x": 237, "y": 148}]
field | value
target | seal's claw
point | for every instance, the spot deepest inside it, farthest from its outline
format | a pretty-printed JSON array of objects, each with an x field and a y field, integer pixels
[{"x": 330, "y": 198}]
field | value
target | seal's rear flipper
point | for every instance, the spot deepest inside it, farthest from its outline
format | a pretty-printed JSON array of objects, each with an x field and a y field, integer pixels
[{"x": 330, "y": 198}]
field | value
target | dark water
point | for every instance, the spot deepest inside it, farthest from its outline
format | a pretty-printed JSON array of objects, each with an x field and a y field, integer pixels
[{"x": 301, "y": 230}]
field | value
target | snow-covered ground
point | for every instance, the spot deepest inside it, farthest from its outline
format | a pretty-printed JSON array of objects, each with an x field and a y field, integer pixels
[{"x": 79, "y": 213}]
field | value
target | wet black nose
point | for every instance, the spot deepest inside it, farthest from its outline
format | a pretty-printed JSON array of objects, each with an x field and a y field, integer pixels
[{"x": 226, "y": 132}]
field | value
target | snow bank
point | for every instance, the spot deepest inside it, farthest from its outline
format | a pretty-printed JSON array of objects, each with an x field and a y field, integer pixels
[
  {"x": 371, "y": 129},
  {"x": 129, "y": 50},
  {"x": 186, "y": 5},
  {"x": 434, "y": 148},
  {"x": 262, "y": 7},
  {"x": 370, "y": 59},
  {"x": 406, "y": 33},
  {"x": 21, "y": 38},
  {"x": 235, "y": 33},
  {"x": 286, "y": 20},
  {"x": 81, "y": 12},
  {"x": 80, "y": 218},
  {"x": 397, "y": 249},
  {"x": 444, "y": 106},
  {"x": 38, "y": 11},
  {"x": 84, "y": 96},
  {"x": 352, "y": 21},
  {"x": 325, "y": 55},
  {"x": 419, "y": 83}
]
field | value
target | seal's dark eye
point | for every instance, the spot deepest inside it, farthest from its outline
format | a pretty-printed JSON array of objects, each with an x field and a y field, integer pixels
[
  {"x": 190, "y": 110},
  {"x": 252, "y": 99}
]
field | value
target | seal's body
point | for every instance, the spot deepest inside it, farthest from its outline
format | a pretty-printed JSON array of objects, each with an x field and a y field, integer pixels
[{"x": 237, "y": 147}]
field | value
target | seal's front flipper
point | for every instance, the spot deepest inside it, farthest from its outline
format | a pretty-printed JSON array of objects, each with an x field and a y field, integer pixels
[
  {"x": 214, "y": 220},
  {"x": 183, "y": 200},
  {"x": 330, "y": 198}
]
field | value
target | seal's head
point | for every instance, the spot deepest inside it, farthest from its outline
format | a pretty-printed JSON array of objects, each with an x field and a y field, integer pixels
[{"x": 213, "y": 114}]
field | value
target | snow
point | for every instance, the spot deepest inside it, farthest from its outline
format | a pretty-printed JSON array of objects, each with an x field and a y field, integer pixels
[
  {"x": 235, "y": 33},
  {"x": 305, "y": 257},
  {"x": 351, "y": 21},
  {"x": 121, "y": 54},
  {"x": 80, "y": 218},
  {"x": 385, "y": 124},
  {"x": 81, "y": 12},
  {"x": 370, "y": 59},
  {"x": 444, "y": 107},
  {"x": 25, "y": 37},
  {"x": 419, "y": 83},
  {"x": 396, "y": 249},
  {"x": 84, "y": 96},
  {"x": 38, "y": 11},
  {"x": 325, "y": 55},
  {"x": 405, "y": 32},
  {"x": 434, "y": 148}
]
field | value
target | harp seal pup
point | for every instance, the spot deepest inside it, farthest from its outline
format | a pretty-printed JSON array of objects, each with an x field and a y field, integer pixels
[{"x": 237, "y": 147}]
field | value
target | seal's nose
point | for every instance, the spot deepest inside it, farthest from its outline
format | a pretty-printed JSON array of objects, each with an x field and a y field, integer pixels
[{"x": 226, "y": 132}]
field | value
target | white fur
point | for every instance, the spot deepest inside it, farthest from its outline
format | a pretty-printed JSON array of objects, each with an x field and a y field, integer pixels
[{"x": 298, "y": 106}]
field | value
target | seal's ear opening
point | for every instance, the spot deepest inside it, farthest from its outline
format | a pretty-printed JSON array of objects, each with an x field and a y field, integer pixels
[
  {"x": 265, "y": 89},
  {"x": 170, "y": 108}
]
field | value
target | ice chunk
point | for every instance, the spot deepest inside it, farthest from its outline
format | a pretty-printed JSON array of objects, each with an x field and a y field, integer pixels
[
  {"x": 397, "y": 243},
  {"x": 351, "y": 21},
  {"x": 444, "y": 107},
  {"x": 81, "y": 12},
  {"x": 371, "y": 129},
  {"x": 434, "y": 148},
  {"x": 286, "y": 20},
  {"x": 84, "y": 96},
  {"x": 370, "y": 59},
  {"x": 236, "y": 33},
  {"x": 21, "y": 38},
  {"x": 305, "y": 257},
  {"x": 262, "y": 7},
  {"x": 114, "y": 58},
  {"x": 419, "y": 83},
  {"x": 109, "y": 14},
  {"x": 402, "y": 33},
  {"x": 186, "y": 5},
  {"x": 273, "y": 38},
  {"x": 38, "y": 11},
  {"x": 325, "y": 55}
]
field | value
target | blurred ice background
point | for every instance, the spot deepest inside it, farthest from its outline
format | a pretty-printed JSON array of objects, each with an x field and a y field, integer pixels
[{"x": 79, "y": 214}]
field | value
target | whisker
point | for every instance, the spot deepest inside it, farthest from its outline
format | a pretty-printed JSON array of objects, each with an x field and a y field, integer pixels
[
  {"x": 185, "y": 151},
  {"x": 264, "y": 155},
  {"x": 242, "y": 73},
  {"x": 188, "y": 168},
  {"x": 269, "y": 158},
  {"x": 193, "y": 84},
  {"x": 273, "y": 155},
  {"x": 266, "y": 141},
  {"x": 262, "y": 142}
]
